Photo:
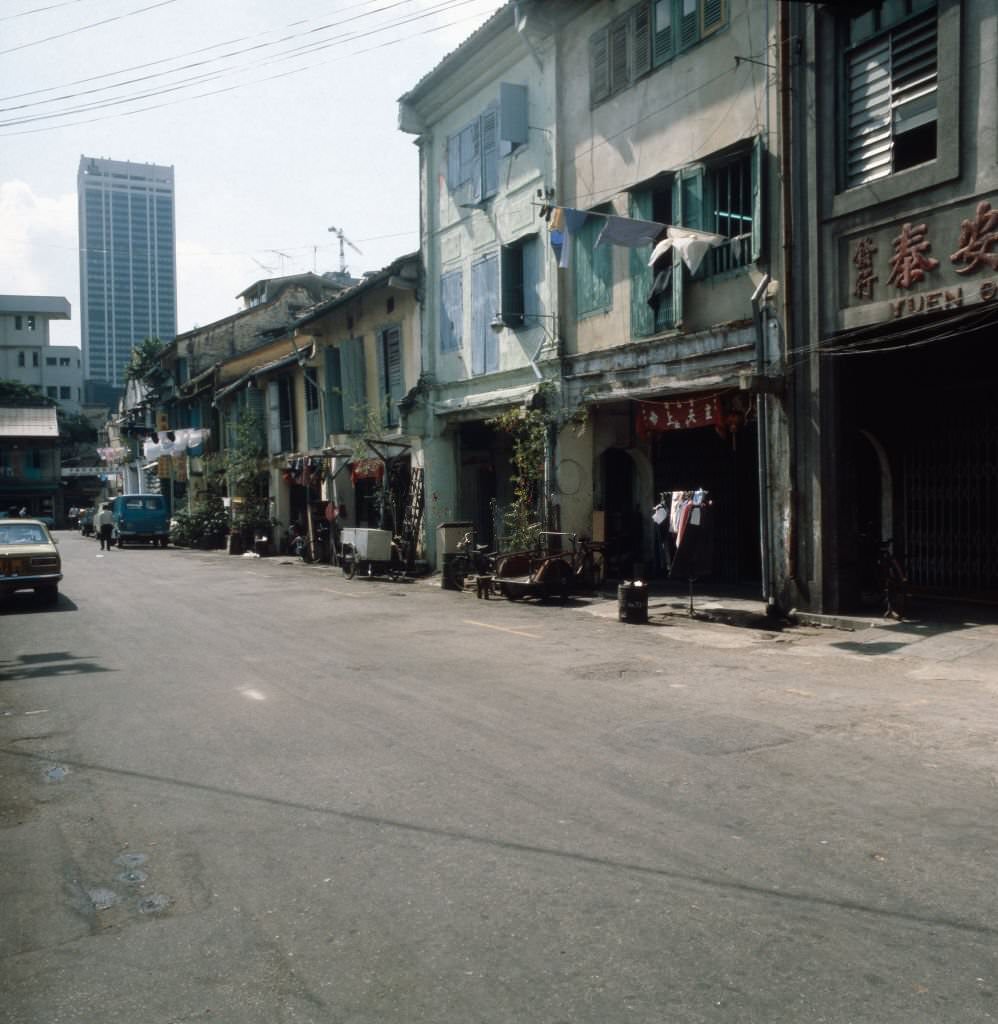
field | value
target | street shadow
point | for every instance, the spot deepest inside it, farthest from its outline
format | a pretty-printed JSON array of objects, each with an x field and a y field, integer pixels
[
  {"x": 25, "y": 602},
  {"x": 879, "y": 647},
  {"x": 47, "y": 666}
]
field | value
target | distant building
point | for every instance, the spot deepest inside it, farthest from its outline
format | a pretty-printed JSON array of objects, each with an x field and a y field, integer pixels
[
  {"x": 29, "y": 461},
  {"x": 128, "y": 280},
  {"x": 26, "y": 355}
]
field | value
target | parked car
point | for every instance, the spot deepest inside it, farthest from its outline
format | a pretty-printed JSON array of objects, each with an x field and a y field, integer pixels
[
  {"x": 29, "y": 559},
  {"x": 140, "y": 518}
]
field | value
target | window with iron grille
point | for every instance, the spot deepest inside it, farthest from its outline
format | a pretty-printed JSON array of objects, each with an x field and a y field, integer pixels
[
  {"x": 730, "y": 202},
  {"x": 890, "y": 90}
]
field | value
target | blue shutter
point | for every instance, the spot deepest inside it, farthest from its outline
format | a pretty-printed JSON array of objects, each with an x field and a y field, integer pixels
[
  {"x": 471, "y": 160},
  {"x": 491, "y": 283},
  {"x": 490, "y": 152},
  {"x": 484, "y": 341},
  {"x": 352, "y": 365},
  {"x": 642, "y": 315},
  {"x": 451, "y": 311},
  {"x": 334, "y": 392},
  {"x": 454, "y": 162},
  {"x": 513, "y": 114}
]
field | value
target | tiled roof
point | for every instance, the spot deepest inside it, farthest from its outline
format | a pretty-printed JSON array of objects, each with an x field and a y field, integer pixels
[{"x": 29, "y": 422}]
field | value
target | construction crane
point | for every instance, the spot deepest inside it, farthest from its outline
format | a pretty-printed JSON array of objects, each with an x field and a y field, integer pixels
[{"x": 344, "y": 241}]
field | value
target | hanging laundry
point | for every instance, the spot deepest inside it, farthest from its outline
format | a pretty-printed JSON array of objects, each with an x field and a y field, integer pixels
[
  {"x": 692, "y": 246},
  {"x": 660, "y": 288},
  {"x": 574, "y": 221},
  {"x": 557, "y": 239},
  {"x": 629, "y": 232}
]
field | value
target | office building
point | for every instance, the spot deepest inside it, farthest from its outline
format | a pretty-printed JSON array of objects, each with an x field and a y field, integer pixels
[{"x": 128, "y": 281}]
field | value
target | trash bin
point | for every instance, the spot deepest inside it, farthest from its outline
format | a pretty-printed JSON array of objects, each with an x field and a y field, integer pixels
[
  {"x": 632, "y": 601},
  {"x": 449, "y": 537}
]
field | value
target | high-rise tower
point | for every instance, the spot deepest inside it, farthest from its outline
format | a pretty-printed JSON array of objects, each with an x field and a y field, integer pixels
[{"x": 128, "y": 278}]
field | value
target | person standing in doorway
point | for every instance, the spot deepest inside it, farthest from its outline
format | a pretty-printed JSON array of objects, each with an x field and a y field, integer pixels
[{"x": 104, "y": 520}]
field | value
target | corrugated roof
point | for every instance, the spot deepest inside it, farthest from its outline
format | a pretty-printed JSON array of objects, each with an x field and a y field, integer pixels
[
  {"x": 476, "y": 37},
  {"x": 28, "y": 422}
]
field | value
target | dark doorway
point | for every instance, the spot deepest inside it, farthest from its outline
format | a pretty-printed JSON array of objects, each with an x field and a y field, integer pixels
[{"x": 622, "y": 526}]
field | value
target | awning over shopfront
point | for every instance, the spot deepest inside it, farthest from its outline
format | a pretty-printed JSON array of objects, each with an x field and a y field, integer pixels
[{"x": 478, "y": 405}]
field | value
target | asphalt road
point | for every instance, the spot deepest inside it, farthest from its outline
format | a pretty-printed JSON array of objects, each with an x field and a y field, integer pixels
[{"x": 250, "y": 791}]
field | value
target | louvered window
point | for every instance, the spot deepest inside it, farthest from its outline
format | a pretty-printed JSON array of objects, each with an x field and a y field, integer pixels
[
  {"x": 390, "y": 374},
  {"x": 645, "y": 37},
  {"x": 891, "y": 82}
]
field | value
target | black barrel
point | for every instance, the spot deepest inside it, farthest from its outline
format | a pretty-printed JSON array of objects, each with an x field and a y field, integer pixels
[{"x": 632, "y": 602}]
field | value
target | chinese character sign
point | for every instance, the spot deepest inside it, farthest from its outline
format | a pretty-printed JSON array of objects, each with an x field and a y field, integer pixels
[
  {"x": 977, "y": 236},
  {"x": 910, "y": 260},
  {"x": 865, "y": 277}
]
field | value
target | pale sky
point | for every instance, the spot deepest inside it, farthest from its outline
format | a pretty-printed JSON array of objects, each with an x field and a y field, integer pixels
[{"x": 263, "y": 169}]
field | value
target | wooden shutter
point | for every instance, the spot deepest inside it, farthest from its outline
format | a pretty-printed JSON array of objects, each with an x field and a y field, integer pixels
[
  {"x": 273, "y": 417},
  {"x": 593, "y": 269},
  {"x": 491, "y": 285},
  {"x": 914, "y": 74},
  {"x": 641, "y": 34},
  {"x": 531, "y": 252},
  {"x": 689, "y": 23},
  {"x": 313, "y": 409},
  {"x": 352, "y": 365},
  {"x": 482, "y": 311},
  {"x": 868, "y": 121},
  {"x": 620, "y": 32},
  {"x": 451, "y": 311},
  {"x": 692, "y": 197},
  {"x": 642, "y": 315},
  {"x": 758, "y": 165},
  {"x": 513, "y": 114},
  {"x": 678, "y": 268},
  {"x": 396, "y": 377},
  {"x": 599, "y": 66},
  {"x": 489, "y": 136},
  {"x": 334, "y": 392},
  {"x": 454, "y": 162},
  {"x": 664, "y": 47},
  {"x": 712, "y": 16},
  {"x": 471, "y": 160}
]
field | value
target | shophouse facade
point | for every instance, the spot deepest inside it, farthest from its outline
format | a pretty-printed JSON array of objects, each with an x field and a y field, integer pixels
[
  {"x": 894, "y": 204},
  {"x": 485, "y": 124},
  {"x": 324, "y": 394},
  {"x": 29, "y": 462},
  {"x": 673, "y": 353}
]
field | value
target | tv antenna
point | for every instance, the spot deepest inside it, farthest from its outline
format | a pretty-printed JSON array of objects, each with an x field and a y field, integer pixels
[
  {"x": 344, "y": 241},
  {"x": 282, "y": 256}
]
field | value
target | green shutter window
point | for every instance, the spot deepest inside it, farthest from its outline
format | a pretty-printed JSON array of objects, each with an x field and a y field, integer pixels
[
  {"x": 599, "y": 66},
  {"x": 390, "y": 375},
  {"x": 593, "y": 270},
  {"x": 620, "y": 32},
  {"x": 641, "y": 30},
  {"x": 354, "y": 372},
  {"x": 313, "y": 417},
  {"x": 642, "y": 315},
  {"x": 712, "y": 16},
  {"x": 334, "y": 392},
  {"x": 678, "y": 270},
  {"x": 689, "y": 23},
  {"x": 273, "y": 418}
]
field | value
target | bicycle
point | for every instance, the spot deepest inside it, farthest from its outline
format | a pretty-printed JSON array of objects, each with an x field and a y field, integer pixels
[{"x": 892, "y": 580}]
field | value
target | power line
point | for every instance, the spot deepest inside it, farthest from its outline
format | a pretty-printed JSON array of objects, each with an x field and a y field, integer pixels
[
  {"x": 239, "y": 85},
  {"x": 39, "y": 10},
  {"x": 83, "y": 28}
]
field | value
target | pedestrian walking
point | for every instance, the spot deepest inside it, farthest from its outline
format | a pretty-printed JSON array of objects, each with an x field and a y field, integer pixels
[{"x": 104, "y": 520}]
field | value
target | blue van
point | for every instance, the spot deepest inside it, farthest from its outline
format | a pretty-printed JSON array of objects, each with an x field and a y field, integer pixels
[{"x": 140, "y": 517}]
